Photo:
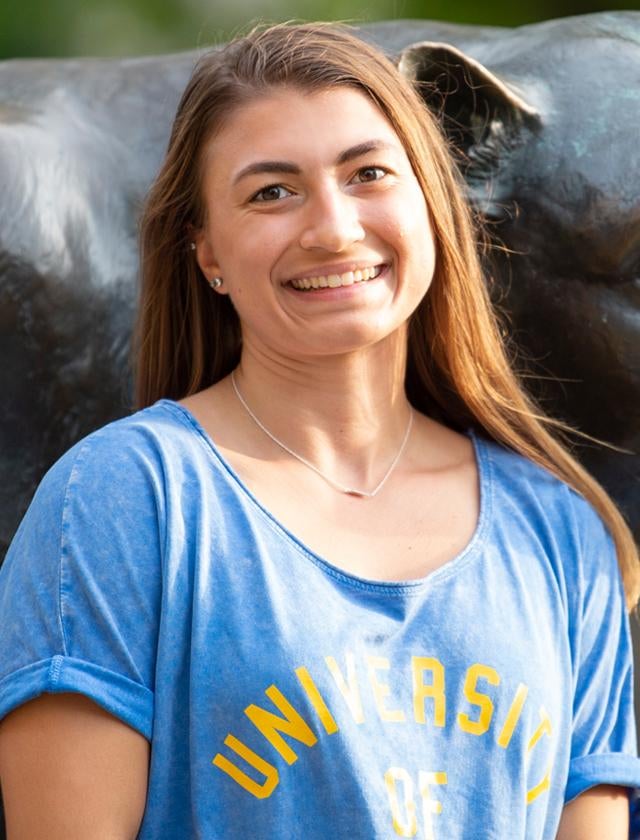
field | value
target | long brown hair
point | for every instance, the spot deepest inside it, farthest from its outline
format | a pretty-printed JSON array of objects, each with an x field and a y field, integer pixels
[{"x": 457, "y": 368}]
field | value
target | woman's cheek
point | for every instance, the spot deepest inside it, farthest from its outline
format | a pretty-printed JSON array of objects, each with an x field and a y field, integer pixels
[{"x": 408, "y": 212}]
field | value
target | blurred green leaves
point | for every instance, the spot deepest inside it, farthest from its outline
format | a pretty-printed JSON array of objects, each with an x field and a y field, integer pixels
[{"x": 41, "y": 28}]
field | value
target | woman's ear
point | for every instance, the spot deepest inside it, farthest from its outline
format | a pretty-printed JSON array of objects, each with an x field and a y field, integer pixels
[{"x": 204, "y": 255}]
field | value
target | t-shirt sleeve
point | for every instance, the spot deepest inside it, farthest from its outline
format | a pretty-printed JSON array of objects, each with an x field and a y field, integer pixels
[
  {"x": 603, "y": 747},
  {"x": 80, "y": 588}
]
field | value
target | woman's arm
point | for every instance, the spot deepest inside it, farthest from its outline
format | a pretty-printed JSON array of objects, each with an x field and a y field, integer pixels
[
  {"x": 599, "y": 813},
  {"x": 71, "y": 771}
]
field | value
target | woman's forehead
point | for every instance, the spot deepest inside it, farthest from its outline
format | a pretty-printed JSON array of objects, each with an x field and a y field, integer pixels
[{"x": 289, "y": 124}]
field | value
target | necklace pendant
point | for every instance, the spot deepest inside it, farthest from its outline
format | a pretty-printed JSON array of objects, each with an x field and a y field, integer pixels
[{"x": 359, "y": 494}]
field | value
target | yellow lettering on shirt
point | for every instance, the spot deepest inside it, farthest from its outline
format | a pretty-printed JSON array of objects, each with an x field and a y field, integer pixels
[
  {"x": 317, "y": 700},
  {"x": 543, "y": 729},
  {"x": 429, "y": 698},
  {"x": 382, "y": 690},
  {"x": 535, "y": 791},
  {"x": 513, "y": 716},
  {"x": 403, "y": 808},
  {"x": 434, "y": 689},
  {"x": 270, "y": 725},
  {"x": 270, "y": 773},
  {"x": 476, "y": 698},
  {"x": 349, "y": 688}
]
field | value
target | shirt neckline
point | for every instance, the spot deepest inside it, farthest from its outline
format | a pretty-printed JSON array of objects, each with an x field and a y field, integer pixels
[{"x": 393, "y": 587}]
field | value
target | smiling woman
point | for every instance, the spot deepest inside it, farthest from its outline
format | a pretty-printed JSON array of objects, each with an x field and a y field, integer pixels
[{"x": 337, "y": 577}]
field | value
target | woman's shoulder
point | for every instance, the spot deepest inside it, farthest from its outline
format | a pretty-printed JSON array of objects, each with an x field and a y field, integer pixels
[
  {"x": 527, "y": 495},
  {"x": 516, "y": 474},
  {"x": 161, "y": 425},
  {"x": 118, "y": 486},
  {"x": 160, "y": 430},
  {"x": 134, "y": 456}
]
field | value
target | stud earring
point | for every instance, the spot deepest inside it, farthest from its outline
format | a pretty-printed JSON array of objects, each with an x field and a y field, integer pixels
[
  {"x": 215, "y": 282},
  {"x": 192, "y": 246}
]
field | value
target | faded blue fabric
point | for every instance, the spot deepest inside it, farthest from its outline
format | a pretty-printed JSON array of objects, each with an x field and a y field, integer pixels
[{"x": 285, "y": 698}]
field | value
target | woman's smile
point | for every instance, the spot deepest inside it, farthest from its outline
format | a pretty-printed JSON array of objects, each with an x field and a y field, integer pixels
[{"x": 336, "y": 279}]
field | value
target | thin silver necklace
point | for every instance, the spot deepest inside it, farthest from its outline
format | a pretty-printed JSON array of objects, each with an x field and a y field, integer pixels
[{"x": 350, "y": 491}]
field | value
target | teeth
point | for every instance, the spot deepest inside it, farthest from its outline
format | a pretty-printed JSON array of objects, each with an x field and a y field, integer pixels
[{"x": 333, "y": 281}]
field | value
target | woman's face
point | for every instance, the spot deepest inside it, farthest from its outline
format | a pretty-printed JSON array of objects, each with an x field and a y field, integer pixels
[{"x": 316, "y": 223}]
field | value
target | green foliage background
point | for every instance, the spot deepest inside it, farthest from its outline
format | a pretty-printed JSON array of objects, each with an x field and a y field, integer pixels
[{"x": 31, "y": 28}]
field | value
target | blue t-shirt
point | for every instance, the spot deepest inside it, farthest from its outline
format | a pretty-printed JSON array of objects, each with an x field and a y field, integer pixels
[{"x": 286, "y": 698}]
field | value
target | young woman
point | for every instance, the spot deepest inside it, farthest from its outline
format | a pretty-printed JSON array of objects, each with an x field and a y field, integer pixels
[{"x": 337, "y": 578}]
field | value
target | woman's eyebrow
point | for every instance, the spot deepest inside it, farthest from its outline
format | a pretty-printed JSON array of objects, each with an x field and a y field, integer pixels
[
  {"x": 267, "y": 166},
  {"x": 363, "y": 149},
  {"x": 261, "y": 167}
]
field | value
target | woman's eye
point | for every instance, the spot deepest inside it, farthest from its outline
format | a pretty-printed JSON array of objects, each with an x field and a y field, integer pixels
[
  {"x": 370, "y": 173},
  {"x": 274, "y": 192}
]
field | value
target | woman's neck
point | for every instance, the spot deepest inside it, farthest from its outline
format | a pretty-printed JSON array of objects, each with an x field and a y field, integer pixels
[{"x": 346, "y": 414}]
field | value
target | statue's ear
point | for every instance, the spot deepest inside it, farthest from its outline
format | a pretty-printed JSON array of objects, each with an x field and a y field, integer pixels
[{"x": 485, "y": 118}]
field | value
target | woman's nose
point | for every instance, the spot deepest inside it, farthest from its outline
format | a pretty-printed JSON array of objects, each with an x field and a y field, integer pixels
[{"x": 332, "y": 223}]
